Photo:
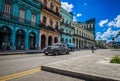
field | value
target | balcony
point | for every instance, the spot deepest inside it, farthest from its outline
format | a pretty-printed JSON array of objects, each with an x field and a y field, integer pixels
[
  {"x": 43, "y": 26},
  {"x": 78, "y": 35},
  {"x": 50, "y": 10},
  {"x": 17, "y": 19},
  {"x": 62, "y": 32},
  {"x": 65, "y": 24}
]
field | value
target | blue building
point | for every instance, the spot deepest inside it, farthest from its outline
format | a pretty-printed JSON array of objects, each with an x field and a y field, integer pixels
[
  {"x": 19, "y": 24},
  {"x": 67, "y": 30}
]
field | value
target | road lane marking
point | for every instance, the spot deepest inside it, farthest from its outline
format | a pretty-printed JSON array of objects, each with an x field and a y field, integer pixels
[{"x": 16, "y": 75}]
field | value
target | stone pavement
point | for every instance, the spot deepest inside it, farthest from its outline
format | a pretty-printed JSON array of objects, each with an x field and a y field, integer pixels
[{"x": 94, "y": 67}]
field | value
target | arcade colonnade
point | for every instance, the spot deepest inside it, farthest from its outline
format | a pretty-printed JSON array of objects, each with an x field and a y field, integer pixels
[
  {"x": 48, "y": 38},
  {"x": 82, "y": 43},
  {"x": 19, "y": 37}
]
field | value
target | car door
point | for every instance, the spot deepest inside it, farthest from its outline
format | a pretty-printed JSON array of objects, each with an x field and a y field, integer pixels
[
  {"x": 61, "y": 49},
  {"x": 64, "y": 49}
]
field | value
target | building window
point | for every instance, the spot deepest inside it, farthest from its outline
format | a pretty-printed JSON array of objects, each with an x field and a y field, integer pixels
[
  {"x": 33, "y": 19},
  {"x": 45, "y": 2},
  {"x": 66, "y": 22},
  {"x": 51, "y": 22},
  {"x": 44, "y": 20},
  {"x": 51, "y": 6},
  {"x": 69, "y": 40},
  {"x": 56, "y": 26},
  {"x": 70, "y": 23},
  {"x": 63, "y": 20},
  {"x": 22, "y": 15},
  {"x": 77, "y": 32},
  {"x": 7, "y": 9},
  {"x": 57, "y": 9}
]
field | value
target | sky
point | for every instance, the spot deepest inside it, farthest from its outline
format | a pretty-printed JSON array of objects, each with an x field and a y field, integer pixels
[{"x": 106, "y": 13}]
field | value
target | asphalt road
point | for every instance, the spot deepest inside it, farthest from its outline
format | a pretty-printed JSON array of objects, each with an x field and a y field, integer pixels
[{"x": 13, "y": 64}]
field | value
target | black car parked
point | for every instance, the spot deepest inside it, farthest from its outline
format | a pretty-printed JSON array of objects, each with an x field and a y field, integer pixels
[{"x": 57, "y": 48}]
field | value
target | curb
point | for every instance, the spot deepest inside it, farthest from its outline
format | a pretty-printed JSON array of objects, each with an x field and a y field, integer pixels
[
  {"x": 85, "y": 76},
  {"x": 18, "y": 53}
]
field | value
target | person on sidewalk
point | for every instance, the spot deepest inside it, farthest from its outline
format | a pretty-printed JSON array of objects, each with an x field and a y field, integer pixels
[
  {"x": 3, "y": 46},
  {"x": 92, "y": 49}
]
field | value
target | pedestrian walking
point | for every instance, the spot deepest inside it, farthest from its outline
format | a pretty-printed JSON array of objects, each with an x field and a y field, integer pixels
[{"x": 92, "y": 49}]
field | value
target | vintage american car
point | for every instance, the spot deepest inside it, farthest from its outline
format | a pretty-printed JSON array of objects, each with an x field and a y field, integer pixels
[
  {"x": 56, "y": 49},
  {"x": 71, "y": 46}
]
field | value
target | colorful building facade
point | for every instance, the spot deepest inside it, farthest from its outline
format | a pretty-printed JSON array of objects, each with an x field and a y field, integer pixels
[
  {"x": 50, "y": 22},
  {"x": 83, "y": 36},
  {"x": 67, "y": 30},
  {"x": 19, "y": 24}
]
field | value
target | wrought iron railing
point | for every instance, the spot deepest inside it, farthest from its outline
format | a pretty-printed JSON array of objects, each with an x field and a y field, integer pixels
[
  {"x": 43, "y": 26},
  {"x": 18, "y": 19},
  {"x": 50, "y": 10},
  {"x": 65, "y": 24}
]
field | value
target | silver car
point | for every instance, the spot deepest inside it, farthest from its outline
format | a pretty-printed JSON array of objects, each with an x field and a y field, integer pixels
[{"x": 56, "y": 49}]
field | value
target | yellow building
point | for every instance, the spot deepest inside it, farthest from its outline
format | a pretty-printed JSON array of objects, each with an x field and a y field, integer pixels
[
  {"x": 50, "y": 22},
  {"x": 83, "y": 36}
]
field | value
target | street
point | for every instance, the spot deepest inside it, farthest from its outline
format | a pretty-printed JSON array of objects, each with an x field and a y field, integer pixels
[
  {"x": 22, "y": 67},
  {"x": 12, "y": 64}
]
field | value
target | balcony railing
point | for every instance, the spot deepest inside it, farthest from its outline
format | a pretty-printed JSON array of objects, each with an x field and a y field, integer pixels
[
  {"x": 65, "y": 24},
  {"x": 43, "y": 26},
  {"x": 83, "y": 37},
  {"x": 18, "y": 19},
  {"x": 78, "y": 35},
  {"x": 50, "y": 10},
  {"x": 62, "y": 32}
]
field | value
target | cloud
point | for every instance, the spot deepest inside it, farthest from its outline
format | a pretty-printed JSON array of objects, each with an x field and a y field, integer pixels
[
  {"x": 98, "y": 36},
  {"x": 106, "y": 35},
  {"x": 79, "y": 14},
  {"x": 117, "y": 39},
  {"x": 115, "y": 22},
  {"x": 68, "y": 7},
  {"x": 74, "y": 18},
  {"x": 102, "y": 22}
]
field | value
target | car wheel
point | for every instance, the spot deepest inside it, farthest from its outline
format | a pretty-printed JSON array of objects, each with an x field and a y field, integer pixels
[
  {"x": 67, "y": 52},
  {"x": 56, "y": 52},
  {"x": 46, "y": 53}
]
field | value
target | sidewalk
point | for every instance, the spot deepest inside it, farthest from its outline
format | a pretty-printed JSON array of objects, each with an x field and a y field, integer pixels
[
  {"x": 9, "y": 52},
  {"x": 94, "y": 67}
]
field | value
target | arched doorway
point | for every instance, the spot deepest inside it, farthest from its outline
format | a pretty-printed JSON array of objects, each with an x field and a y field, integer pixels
[
  {"x": 43, "y": 41},
  {"x": 56, "y": 40},
  {"x": 32, "y": 40},
  {"x": 77, "y": 43},
  {"x": 69, "y": 40},
  {"x": 5, "y": 35},
  {"x": 66, "y": 40},
  {"x": 49, "y": 40},
  {"x": 20, "y": 39},
  {"x": 74, "y": 40}
]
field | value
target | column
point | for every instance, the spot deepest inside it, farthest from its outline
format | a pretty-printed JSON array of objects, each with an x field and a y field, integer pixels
[
  {"x": 37, "y": 39},
  {"x": 38, "y": 18},
  {"x": 46, "y": 44},
  {"x": 26, "y": 40},
  {"x": 13, "y": 36}
]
